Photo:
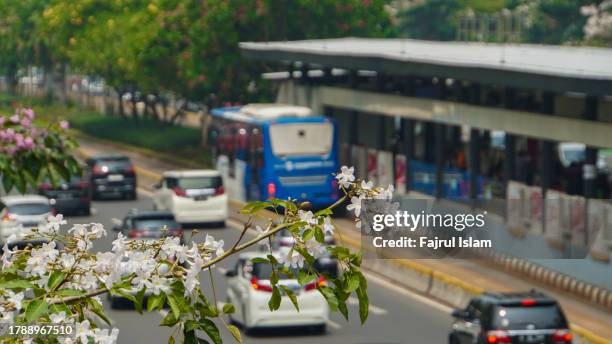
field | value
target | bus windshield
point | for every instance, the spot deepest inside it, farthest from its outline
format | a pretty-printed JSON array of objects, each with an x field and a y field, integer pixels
[{"x": 295, "y": 139}]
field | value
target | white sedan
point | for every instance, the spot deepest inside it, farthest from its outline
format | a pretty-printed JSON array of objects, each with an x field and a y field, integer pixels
[
  {"x": 193, "y": 196},
  {"x": 249, "y": 291},
  {"x": 20, "y": 213}
]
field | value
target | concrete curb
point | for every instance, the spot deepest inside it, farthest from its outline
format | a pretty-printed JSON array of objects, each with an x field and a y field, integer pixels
[{"x": 588, "y": 292}]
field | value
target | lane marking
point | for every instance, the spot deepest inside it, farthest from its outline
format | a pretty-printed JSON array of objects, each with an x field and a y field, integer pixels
[
  {"x": 333, "y": 325},
  {"x": 373, "y": 309},
  {"x": 115, "y": 221},
  {"x": 414, "y": 295}
]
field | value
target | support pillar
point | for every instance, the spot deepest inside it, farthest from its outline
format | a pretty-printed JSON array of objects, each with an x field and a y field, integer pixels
[
  {"x": 407, "y": 133},
  {"x": 590, "y": 168},
  {"x": 474, "y": 147},
  {"x": 547, "y": 147}
]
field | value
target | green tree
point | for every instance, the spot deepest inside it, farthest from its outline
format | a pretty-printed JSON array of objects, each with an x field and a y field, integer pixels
[
  {"x": 432, "y": 20},
  {"x": 556, "y": 21}
]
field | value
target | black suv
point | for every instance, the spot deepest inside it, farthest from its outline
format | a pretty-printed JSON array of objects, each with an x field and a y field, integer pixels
[
  {"x": 68, "y": 197},
  {"x": 148, "y": 224},
  {"x": 112, "y": 175},
  {"x": 530, "y": 318}
]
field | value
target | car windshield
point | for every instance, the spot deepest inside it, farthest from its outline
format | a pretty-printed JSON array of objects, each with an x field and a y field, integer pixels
[
  {"x": 29, "y": 209},
  {"x": 297, "y": 139},
  {"x": 574, "y": 155},
  {"x": 264, "y": 271},
  {"x": 200, "y": 182},
  {"x": 155, "y": 224},
  {"x": 519, "y": 317}
]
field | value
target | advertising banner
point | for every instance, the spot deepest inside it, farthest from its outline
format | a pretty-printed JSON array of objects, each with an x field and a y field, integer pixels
[
  {"x": 372, "y": 171},
  {"x": 358, "y": 154},
  {"x": 578, "y": 223},
  {"x": 400, "y": 174},
  {"x": 534, "y": 194},
  {"x": 554, "y": 230},
  {"x": 384, "y": 168},
  {"x": 515, "y": 206}
]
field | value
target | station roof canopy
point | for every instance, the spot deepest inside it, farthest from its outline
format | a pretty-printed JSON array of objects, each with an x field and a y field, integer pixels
[{"x": 550, "y": 68}]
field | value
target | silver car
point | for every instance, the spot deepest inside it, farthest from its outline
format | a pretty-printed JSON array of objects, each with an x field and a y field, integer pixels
[{"x": 21, "y": 213}]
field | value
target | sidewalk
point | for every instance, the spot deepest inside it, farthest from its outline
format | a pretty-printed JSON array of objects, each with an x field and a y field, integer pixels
[{"x": 472, "y": 272}]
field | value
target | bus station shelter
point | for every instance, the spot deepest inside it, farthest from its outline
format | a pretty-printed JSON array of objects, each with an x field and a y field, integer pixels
[{"x": 464, "y": 121}]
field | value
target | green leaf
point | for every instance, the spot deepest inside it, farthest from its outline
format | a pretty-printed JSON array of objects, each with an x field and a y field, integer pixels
[
  {"x": 291, "y": 296},
  {"x": 364, "y": 304},
  {"x": 140, "y": 300},
  {"x": 330, "y": 297},
  {"x": 343, "y": 309},
  {"x": 174, "y": 306},
  {"x": 319, "y": 235},
  {"x": 98, "y": 310},
  {"x": 308, "y": 234},
  {"x": 55, "y": 279},
  {"x": 275, "y": 300},
  {"x": 352, "y": 282},
  {"x": 305, "y": 278},
  {"x": 155, "y": 301},
  {"x": 16, "y": 283},
  {"x": 272, "y": 259},
  {"x": 235, "y": 332},
  {"x": 35, "y": 310},
  {"x": 125, "y": 295},
  {"x": 170, "y": 320},
  {"x": 191, "y": 325},
  {"x": 190, "y": 337},
  {"x": 259, "y": 260},
  {"x": 211, "y": 330},
  {"x": 324, "y": 212},
  {"x": 171, "y": 340},
  {"x": 228, "y": 308},
  {"x": 274, "y": 277}
]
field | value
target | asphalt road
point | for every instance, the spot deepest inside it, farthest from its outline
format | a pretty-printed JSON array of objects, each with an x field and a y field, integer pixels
[{"x": 396, "y": 315}]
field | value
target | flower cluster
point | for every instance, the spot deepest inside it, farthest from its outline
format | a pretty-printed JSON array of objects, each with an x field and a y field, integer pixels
[
  {"x": 60, "y": 280},
  {"x": 599, "y": 22},
  {"x": 18, "y": 134}
]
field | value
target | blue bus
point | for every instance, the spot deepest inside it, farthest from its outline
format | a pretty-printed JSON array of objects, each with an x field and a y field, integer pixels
[{"x": 275, "y": 151}]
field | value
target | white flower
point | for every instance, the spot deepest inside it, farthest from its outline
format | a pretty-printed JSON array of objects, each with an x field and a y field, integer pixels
[
  {"x": 328, "y": 227},
  {"x": 96, "y": 231},
  {"x": 83, "y": 331},
  {"x": 308, "y": 217},
  {"x": 67, "y": 260},
  {"x": 88, "y": 281},
  {"x": 315, "y": 248},
  {"x": 102, "y": 336},
  {"x": 366, "y": 185},
  {"x": 40, "y": 258},
  {"x": 66, "y": 340},
  {"x": 212, "y": 244},
  {"x": 7, "y": 256},
  {"x": 192, "y": 277},
  {"x": 386, "y": 193},
  {"x": 355, "y": 205},
  {"x": 119, "y": 244},
  {"x": 172, "y": 248},
  {"x": 345, "y": 177},
  {"x": 78, "y": 230},
  {"x": 26, "y": 341},
  {"x": 58, "y": 318},
  {"x": 6, "y": 316},
  {"x": 158, "y": 284},
  {"x": 15, "y": 299},
  {"x": 291, "y": 258},
  {"x": 53, "y": 224}
]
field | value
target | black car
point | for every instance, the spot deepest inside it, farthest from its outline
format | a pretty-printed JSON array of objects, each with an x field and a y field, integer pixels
[
  {"x": 112, "y": 175},
  {"x": 73, "y": 197},
  {"x": 143, "y": 225},
  {"x": 518, "y": 318},
  {"x": 148, "y": 224}
]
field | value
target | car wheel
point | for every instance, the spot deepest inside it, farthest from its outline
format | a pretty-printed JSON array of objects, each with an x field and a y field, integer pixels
[
  {"x": 86, "y": 211},
  {"x": 114, "y": 302},
  {"x": 320, "y": 329},
  {"x": 131, "y": 195},
  {"x": 452, "y": 339}
]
